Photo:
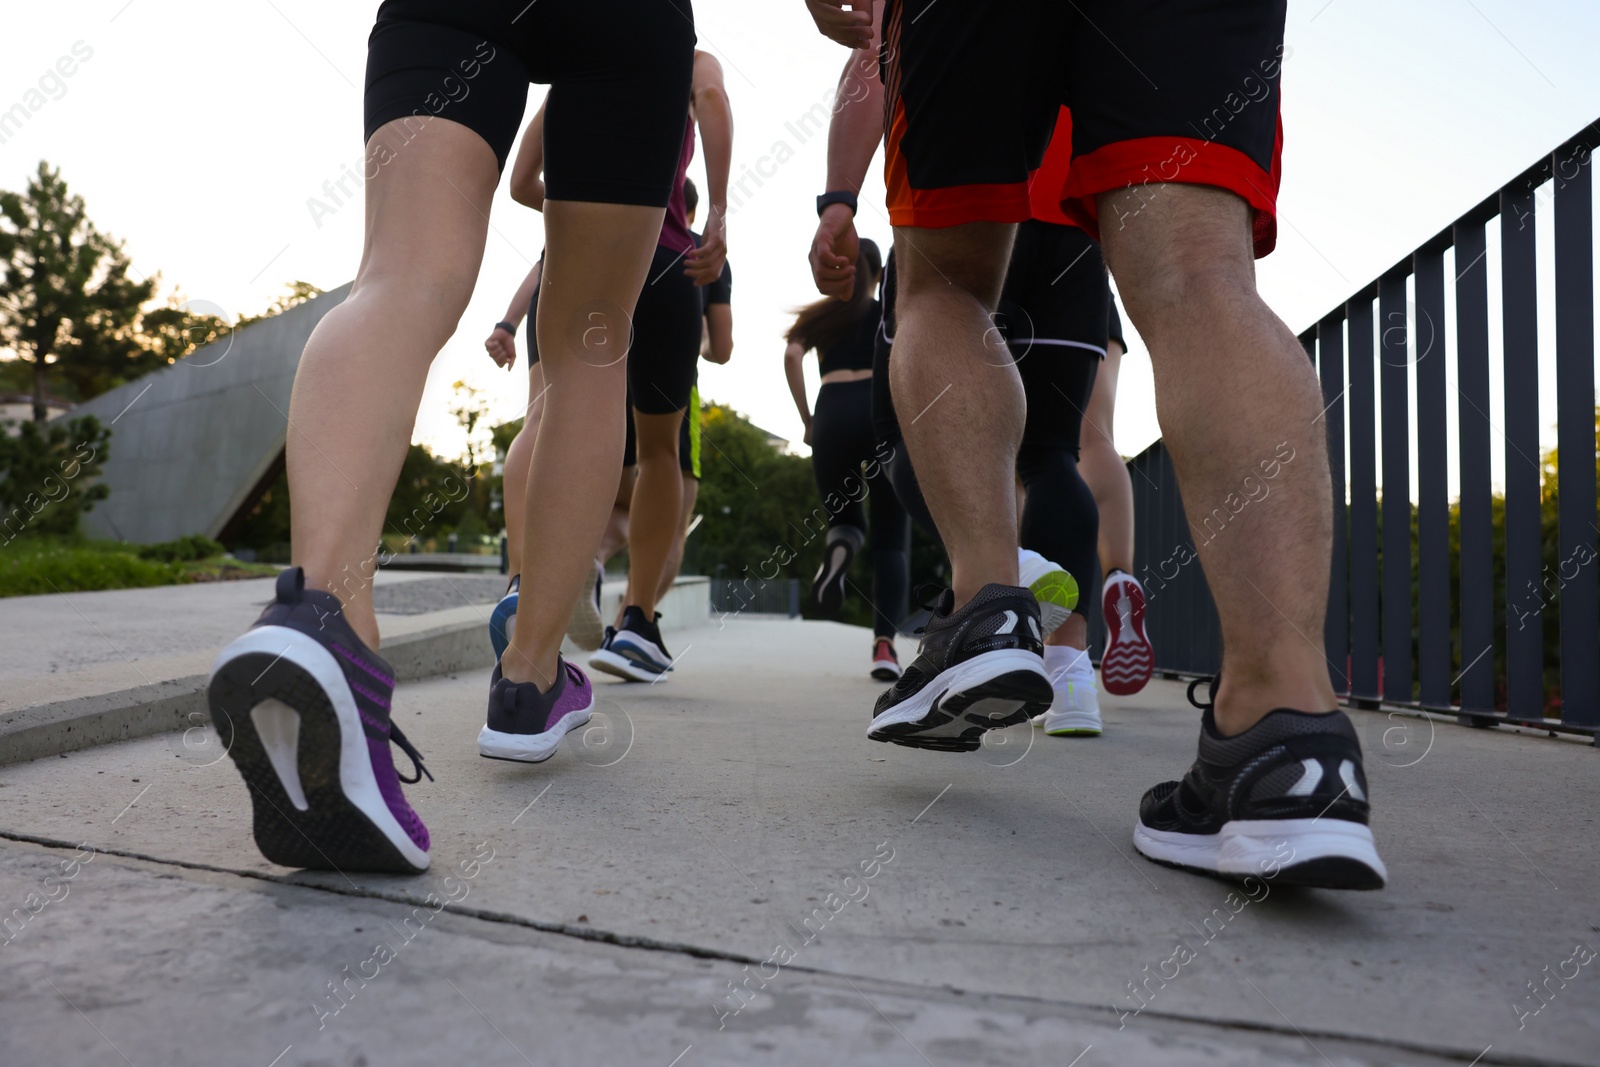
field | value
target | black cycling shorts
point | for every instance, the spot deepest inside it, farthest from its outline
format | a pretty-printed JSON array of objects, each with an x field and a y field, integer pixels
[
  {"x": 664, "y": 354},
  {"x": 619, "y": 75},
  {"x": 1056, "y": 293},
  {"x": 1159, "y": 91}
]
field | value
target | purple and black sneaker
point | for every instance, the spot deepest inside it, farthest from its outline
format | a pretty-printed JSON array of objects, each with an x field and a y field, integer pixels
[
  {"x": 526, "y": 725},
  {"x": 302, "y": 706}
]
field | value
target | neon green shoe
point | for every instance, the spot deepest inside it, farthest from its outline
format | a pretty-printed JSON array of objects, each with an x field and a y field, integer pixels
[{"x": 1053, "y": 587}]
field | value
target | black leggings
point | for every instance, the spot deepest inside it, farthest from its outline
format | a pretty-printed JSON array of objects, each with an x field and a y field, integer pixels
[
  {"x": 841, "y": 443},
  {"x": 1059, "y": 518}
]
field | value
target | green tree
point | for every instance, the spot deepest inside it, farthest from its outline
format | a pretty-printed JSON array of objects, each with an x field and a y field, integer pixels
[
  {"x": 67, "y": 303},
  {"x": 295, "y": 294},
  {"x": 47, "y": 476}
]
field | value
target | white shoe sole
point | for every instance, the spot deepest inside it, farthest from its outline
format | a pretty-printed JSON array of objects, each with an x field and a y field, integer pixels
[
  {"x": 956, "y": 707},
  {"x": 1071, "y": 723},
  {"x": 531, "y": 748},
  {"x": 585, "y": 626},
  {"x": 619, "y": 666},
  {"x": 1331, "y": 853}
]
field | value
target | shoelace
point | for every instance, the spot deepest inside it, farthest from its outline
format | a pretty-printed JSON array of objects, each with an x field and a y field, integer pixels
[
  {"x": 411, "y": 750},
  {"x": 1214, "y": 680}
]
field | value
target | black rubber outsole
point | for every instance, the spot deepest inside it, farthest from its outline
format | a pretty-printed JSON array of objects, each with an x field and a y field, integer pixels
[
  {"x": 1029, "y": 688},
  {"x": 1331, "y": 872},
  {"x": 332, "y": 834}
]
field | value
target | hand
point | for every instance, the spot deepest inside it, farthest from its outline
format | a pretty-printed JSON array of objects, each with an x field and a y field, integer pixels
[
  {"x": 833, "y": 252},
  {"x": 808, "y": 435},
  {"x": 847, "y": 22},
  {"x": 704, "y": 264},
  {"x": 502, "y": 347}
]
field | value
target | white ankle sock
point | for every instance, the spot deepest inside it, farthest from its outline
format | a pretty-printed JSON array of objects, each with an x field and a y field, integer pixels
[{"x": 1061, "y": 662}]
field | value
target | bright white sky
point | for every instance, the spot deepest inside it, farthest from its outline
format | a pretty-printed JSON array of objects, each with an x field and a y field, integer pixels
[{"x": 198, "y": 131}]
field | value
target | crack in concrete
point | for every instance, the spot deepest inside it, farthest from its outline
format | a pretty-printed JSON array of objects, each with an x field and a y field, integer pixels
[{"x": 650, "y": 944}]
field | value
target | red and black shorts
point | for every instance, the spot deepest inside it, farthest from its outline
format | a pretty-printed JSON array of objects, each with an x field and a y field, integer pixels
[{"x": 1159, "y": 90}]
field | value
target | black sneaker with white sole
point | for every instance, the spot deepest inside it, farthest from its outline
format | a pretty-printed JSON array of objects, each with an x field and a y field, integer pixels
[
  {"x": 827, "y": 588},
  {"x": 635, "y": 652},
  {"x": 977, "y": 669},
  {"x": 1285, "y": 801}
]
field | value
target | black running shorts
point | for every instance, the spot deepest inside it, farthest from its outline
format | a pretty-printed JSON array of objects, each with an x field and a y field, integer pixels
[
  {"x": 618, "y": 72},
  {"x": 664, "y": 356},
  {"x": 1159, "y": 90}
]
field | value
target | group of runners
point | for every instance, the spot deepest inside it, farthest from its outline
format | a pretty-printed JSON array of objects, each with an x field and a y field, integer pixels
[{"x": 1027, "y": 150}]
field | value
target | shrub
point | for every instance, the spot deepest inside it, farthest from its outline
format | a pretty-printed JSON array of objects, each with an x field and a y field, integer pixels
[
  {"x": 183, "y": 550},
  {"x": 47, "y": 476}
]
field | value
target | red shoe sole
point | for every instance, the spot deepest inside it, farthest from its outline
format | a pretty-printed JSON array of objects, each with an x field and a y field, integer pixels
[{"x": 1129, "y": 661}]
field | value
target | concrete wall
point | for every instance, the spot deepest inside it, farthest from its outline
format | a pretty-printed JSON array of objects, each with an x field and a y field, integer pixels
[{"x": 190, "y": 442}]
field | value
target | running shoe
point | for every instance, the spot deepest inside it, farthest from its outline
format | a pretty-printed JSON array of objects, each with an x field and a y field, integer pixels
[
  {"x": 635, "y": 652},
  {"x": 585, "y": 626},
  {"x": 827, "y": 588},
  {"x": 1129, "y": 660},
  {"x": 302, "y": 706},
  {"x": 977, "y": 669},
  {"x": 1284, "y": 801},
  {"x": 525, "y": 725},
  {"x": 885, "y": 664},
  {"x": 1075, "y": 712},
  {"x": 503, "y": 619},
  {"x": 1052, "y": 586}
]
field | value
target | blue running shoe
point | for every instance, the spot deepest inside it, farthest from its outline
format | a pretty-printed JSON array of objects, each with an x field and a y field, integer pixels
[
  {"x": 503, "y": 619},
  {"x": 635, "y": 653}
]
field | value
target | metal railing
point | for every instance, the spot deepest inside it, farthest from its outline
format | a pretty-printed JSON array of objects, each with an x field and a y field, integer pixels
[
  {"x": 779, "y": 596},
  {"x": 1472, "y": 627}
]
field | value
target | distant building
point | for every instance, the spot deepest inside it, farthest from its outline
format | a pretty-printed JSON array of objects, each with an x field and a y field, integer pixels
[{"x": 194, "y": 445}]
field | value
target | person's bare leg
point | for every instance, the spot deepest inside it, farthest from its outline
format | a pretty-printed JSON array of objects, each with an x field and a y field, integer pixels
[
  {"x": 361, "y": 378},
  {"x": 596, "y": 258},
  {"x": 958, "y": 396},
  {"x": 519, "y": 458},
  {"x": 691, "y": 493},
  {"x": 1101, "y": 466},
  {"x": 1233, "y": 386},
  {"x": 615, "y": 539},
  {"x": 1074, "y": 633},
  {"x": 657, "y": 504}
]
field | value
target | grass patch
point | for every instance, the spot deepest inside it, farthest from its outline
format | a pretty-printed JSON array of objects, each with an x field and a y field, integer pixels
[{"x": 35, "y": 566}]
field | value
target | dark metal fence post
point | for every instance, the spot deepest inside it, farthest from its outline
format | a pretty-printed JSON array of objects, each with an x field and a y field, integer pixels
[
  {"x": 1575, "y": 579},
  {"x": 1396, "y": 440},
  {"x": 1524, "y": 604},
  {"x": 1476, "y": 592},
  {"x": 1433, "y": 503},
  {"x": 1363, "y": 505},
  {"x": 1336, "y": 628}
]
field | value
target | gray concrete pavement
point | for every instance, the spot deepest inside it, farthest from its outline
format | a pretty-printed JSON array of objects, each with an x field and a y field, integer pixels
[{"x": 709, "y": 824}]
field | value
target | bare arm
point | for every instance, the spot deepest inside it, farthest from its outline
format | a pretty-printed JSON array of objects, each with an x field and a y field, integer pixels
[
  {"x": 715, "y": 117},
  {"x": 502, "y": 345},
  {"x": 792, "y": 358},
  {"x": 527, "y": 173},
  {"x": 719, "y": 333},
  {"x": 853, "y": 137}
]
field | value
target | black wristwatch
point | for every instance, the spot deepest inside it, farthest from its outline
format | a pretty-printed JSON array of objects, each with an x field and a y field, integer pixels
[
  {"x": 843, "y": 196},
  {"x": 507, "y": 327}
]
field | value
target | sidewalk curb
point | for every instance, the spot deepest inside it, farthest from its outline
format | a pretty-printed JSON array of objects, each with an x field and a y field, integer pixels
[{"x": 180, "y": 703}]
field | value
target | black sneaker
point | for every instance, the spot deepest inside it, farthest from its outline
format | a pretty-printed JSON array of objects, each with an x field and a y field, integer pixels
[
  {"x": 977, "y": 669},
  {"x": 635, "y": 652},
  {"x": 1285, "y": 801},
  {"x": 827, "y": 588}
]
